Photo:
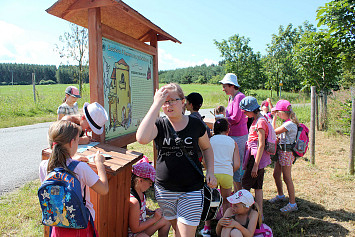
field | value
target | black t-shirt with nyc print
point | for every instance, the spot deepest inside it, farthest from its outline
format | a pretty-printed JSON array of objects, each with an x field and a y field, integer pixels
[{"x": 173, "y": 171}]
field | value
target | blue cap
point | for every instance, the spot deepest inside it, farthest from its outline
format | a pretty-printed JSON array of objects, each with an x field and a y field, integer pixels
[{"x": 249, "y": 103}]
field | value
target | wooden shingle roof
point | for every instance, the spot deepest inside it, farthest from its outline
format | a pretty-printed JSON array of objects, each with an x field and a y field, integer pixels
[{"x": 114, "y": 13}]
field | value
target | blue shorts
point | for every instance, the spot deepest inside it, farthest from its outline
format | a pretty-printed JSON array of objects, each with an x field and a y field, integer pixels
[
  {"x": 186, "y": 207},
  {"x": 240, "y": 140}
]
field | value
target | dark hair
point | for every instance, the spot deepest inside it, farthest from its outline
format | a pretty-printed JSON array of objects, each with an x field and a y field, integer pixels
[
  {"x": 60, "y": 133},
  {"x": 219, "y": 109},
  {"x": 195, "y": 99},
  {"x": 257, "y": 111},
  {"x": 221, "y": 125}
]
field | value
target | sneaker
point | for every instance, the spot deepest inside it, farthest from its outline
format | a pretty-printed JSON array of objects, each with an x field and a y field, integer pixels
[
  {"x": 277, "y": 199},
  {"x": 205, "y": 233},
  {"x": 288, "y": 208}
]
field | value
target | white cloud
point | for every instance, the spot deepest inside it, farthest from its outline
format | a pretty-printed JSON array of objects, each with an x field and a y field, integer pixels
[
  {"x": 18, "y": 45},
  {"x": 168, "y": 61}
]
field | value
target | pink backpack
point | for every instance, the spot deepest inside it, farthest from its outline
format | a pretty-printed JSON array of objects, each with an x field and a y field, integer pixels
[
  {"x": 271, "y": 143},
  {"x": 263, "y": 231},
  {"x": 302, "y": 140}
]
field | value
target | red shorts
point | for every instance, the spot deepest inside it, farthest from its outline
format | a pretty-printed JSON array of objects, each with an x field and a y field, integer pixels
[{"x": 68, "y": 232}]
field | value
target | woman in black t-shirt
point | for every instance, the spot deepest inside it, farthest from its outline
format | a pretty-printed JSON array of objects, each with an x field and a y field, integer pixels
[{"x": 178, "y": 185}]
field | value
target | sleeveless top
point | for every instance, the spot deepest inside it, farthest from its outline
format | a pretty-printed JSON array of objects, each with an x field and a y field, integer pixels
[{"x": 142, "y": 215}]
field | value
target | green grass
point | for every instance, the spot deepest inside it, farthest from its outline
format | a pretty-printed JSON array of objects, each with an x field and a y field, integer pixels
[{"x": 18, "y": 106}]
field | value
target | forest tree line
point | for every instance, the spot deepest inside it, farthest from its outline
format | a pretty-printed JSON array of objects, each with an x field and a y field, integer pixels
[{"x": 21, "y": 74}]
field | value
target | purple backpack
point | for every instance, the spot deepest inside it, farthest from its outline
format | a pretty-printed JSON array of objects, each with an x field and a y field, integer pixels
[
  {"x": 271, "y": 143},
  {"x": 302, "y": 140},
  {"x": 263, "y": 231}
]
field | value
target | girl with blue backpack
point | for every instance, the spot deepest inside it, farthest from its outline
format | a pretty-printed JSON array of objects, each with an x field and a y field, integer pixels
[
  {"x": 287, "y": 134},
  {"x": 58, "y": 210}
]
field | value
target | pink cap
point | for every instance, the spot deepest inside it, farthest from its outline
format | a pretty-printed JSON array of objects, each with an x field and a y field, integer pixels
[
  {"x": 282, "y": 105},
  {"x": 264, "y": 103},
  {"x": 144, "y": 170}
]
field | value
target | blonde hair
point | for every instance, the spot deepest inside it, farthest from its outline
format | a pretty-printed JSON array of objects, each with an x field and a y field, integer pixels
[
  {"x": 175, "y": 88},
  {"x": 61, "y": 133},
  {"x": 292, "y": 115},
  {"x": 256, "y": 207}
]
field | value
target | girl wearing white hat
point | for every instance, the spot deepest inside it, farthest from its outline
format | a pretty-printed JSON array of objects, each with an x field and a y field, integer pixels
[{"x": 242, "y": 218}]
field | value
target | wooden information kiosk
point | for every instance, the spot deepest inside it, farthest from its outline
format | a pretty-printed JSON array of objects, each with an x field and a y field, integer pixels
[{"x": 123, "y": 74}]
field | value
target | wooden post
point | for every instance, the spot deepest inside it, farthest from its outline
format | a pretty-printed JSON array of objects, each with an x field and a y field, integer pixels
[
  {"x": 312, "y": 132},
  {"x": 352, "y": 140},
  {"x": 95, "y": 61},
  {"x": 317, "y": 112},
  {"x": 34, "y": 86}
]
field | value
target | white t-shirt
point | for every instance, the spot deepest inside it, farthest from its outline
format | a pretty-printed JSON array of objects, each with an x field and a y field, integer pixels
[
  {"x": 85, "y": 175},
  {"x": 289, "y": 137},
  {"x": 223, "y": 150}
]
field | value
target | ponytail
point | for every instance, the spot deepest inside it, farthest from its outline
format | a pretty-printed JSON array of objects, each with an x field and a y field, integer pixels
[
  {"x": 292, "y": 115},
  {"x": 61, "y": 133}
]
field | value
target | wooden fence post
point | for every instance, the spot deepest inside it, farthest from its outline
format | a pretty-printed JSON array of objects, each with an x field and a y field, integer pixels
[
  {"x": 312, "y": 132},
  {"x": 34, "y": 86},
  {"x": 352, "y": 140}
]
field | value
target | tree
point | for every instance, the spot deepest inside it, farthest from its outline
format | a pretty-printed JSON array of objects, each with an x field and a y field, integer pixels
[
  {"x": 339, "y": 17},
  {"x": 278, "y": 64},
  {"x": 240, "y": 59},
  {"x": 317, "y": 59},
  {"x": 74, "y": 47}
]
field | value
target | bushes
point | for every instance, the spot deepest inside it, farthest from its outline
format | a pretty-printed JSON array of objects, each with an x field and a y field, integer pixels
[{"x": 47, "y": 82}]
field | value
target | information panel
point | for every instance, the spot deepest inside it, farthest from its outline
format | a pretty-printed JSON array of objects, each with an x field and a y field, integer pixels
[{"x": 128, "y": 87}]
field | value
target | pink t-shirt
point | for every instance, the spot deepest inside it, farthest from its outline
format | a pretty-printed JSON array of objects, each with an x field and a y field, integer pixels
[
  {"x": 236, "y": 118},
  {"x": 253, "y": 130},
  {"x": 85, "y": 175}
]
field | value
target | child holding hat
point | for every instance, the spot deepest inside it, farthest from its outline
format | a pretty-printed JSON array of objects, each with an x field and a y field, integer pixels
[
  {"x": 143, "y": 175},
  {"x": 242, "y": 218},
  {"x": 69, "y": 106}
]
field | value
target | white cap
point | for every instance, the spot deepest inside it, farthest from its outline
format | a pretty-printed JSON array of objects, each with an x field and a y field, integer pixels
[
  {"x": 230, "y": 78},
  {"x": 243, "y": 196},
  {"x": 96, "y": 116}
]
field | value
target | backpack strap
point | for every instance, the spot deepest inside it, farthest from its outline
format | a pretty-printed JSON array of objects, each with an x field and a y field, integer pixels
[{"x": 73, "y": 164}]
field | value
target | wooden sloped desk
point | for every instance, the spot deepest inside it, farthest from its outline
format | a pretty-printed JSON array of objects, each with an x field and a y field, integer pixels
[{"x": 111, "y": 210}]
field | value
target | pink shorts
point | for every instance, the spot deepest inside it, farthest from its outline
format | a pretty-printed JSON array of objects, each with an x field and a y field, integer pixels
[{"x": 286, "y": 158}]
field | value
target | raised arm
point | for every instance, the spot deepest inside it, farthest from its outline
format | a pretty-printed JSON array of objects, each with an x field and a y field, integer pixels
[{"x": 147, "y": 130}]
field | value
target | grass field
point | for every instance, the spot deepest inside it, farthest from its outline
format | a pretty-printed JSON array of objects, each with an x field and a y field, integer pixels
[{"x": 18, "y": 107}]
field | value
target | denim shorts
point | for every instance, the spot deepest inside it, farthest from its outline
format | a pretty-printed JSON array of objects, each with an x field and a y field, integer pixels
[{"x": 240, "y": 140}]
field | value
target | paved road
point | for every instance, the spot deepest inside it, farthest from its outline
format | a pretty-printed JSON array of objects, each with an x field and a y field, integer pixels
[{"x": 21, "y": 154}]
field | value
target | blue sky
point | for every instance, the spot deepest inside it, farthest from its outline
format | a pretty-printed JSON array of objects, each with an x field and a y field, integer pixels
[{"x": 29, "y": 33}]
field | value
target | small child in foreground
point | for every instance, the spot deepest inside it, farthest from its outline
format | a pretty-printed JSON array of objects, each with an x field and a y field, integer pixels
[
  {"x": 242, "y": 218},
  {"x": 143, "y": 175}
]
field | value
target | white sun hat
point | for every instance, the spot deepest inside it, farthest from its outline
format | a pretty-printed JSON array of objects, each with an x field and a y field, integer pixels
[
  {"x": 230, "y": 78},
  {"x": 96, "y": 116},
  {"x": 242, "y": 196}
]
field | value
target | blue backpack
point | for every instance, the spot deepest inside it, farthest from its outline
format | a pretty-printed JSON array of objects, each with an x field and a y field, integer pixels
[{"x": 61, "y": 200}]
